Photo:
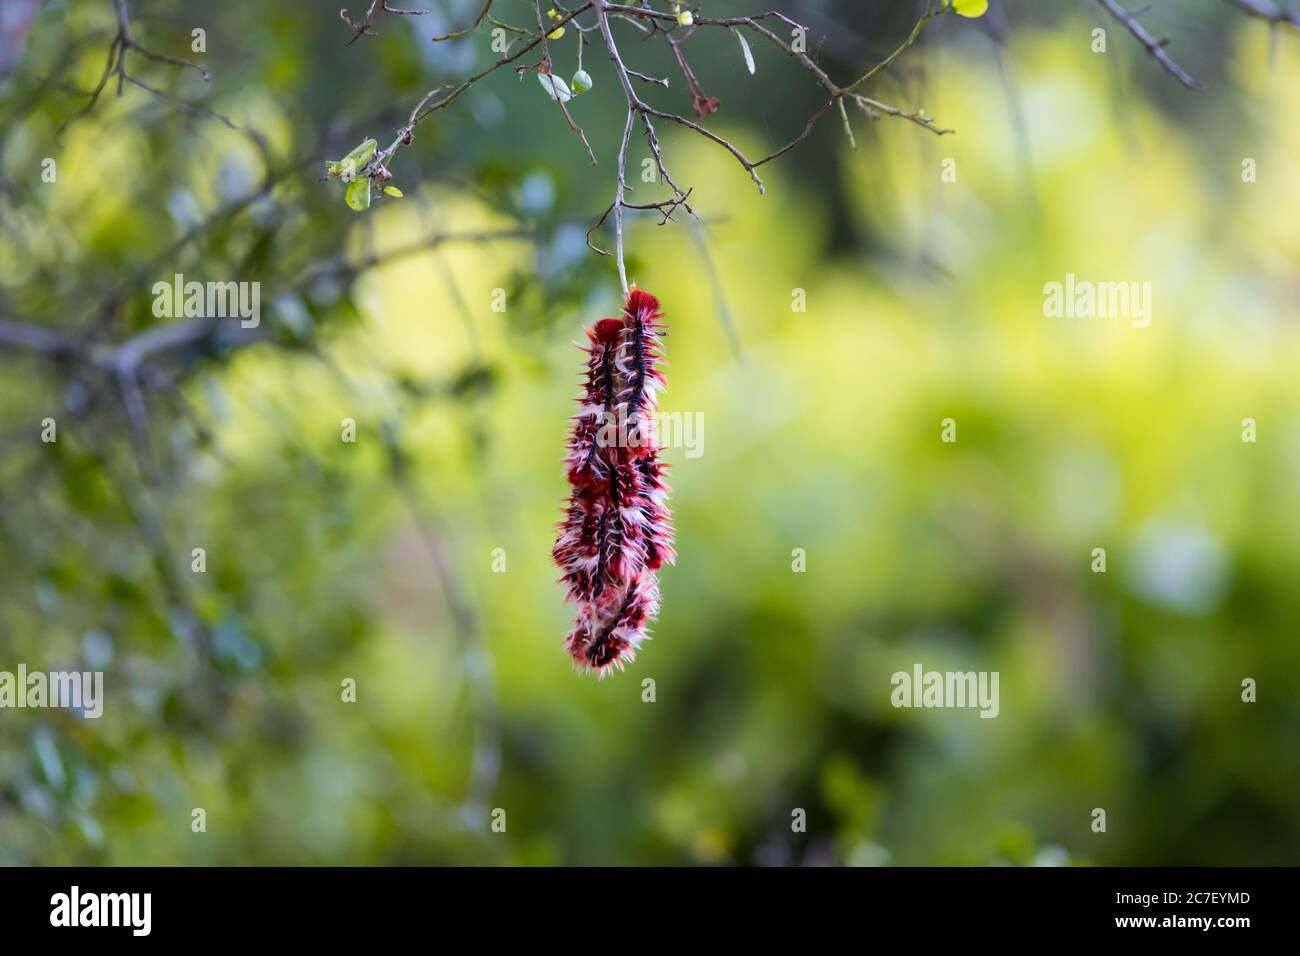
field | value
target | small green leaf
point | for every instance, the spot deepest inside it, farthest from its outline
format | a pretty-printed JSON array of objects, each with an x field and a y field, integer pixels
[
  {"x": 581, "y": 82},
  {"x": 393, "y": 191},
  {"x": 970, "y": 8},
  {"x": 358, "y": 196}
]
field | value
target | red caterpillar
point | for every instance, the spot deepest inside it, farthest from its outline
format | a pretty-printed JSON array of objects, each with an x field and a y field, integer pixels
[{"x": 617, "y": 531}]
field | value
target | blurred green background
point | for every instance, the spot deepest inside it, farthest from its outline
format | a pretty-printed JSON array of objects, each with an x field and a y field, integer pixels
[{"x": 374, "y": 560}]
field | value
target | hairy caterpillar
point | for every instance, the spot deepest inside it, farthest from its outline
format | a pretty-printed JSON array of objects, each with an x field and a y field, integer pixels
[{"x": 617, "y": 531}]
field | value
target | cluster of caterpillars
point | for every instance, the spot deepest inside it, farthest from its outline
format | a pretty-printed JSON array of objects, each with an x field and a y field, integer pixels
[{"x": 617, "y": 531}]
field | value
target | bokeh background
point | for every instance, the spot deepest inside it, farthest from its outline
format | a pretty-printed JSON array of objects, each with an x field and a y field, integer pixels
[{"x": 374, "y": 560}]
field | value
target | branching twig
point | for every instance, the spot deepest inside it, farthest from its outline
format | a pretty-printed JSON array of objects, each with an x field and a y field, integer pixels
[
  {"x": 115, "y": 66},
  {"x": 651, "y": 22},
  {"x": 361, "y": 28},
  {"x": 431, "y": 103},
  {"x": 704, "y": 104}
]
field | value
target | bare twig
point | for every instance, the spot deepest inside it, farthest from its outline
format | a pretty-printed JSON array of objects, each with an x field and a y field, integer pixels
[
  {"x": 1274, "y": 13},
  {"x": 1156, "y": 48},
  {"x": 487, "y": 6},
  {"x": 361, "y": 28},
  {"x": 432, "y": 103},
  {"x": 181, "y": 106},
  {"x": 116, "y": 66},
  {"x": 703, "y": 104}
]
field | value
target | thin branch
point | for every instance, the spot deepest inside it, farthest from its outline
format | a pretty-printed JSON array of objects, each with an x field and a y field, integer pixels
[
  {"x": 487, "y": 6},
  {"x": 548, "y": 63},
  {"x": 133, "y": 354},
  {"x": 21, "y": 337},
  {"x": 361, "y": 28},
  {"x": 181, "y": 105},
  {"x": 116, "y": 66},
  {"x": 619, "y": 191},
  {"x": 929, "y": 14},
  {"x": 430, "y": 105},
  {"x": 1156, "y": 48},
  {"x": 658, "y": 81},
  {"x": 1274, "y": 13}
]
